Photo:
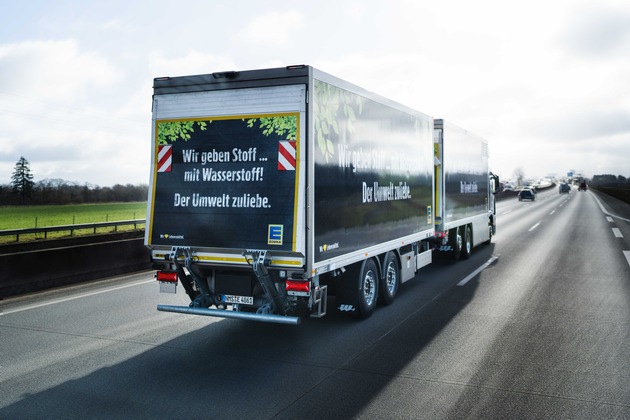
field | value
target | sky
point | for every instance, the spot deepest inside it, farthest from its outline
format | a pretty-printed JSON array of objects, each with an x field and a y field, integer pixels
[{"x": 547, "y": 83}]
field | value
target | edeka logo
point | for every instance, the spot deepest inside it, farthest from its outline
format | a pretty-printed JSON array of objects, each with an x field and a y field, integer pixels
[
  {"x": 328, "y": 247},
  {"x": 275, "y": 235}
]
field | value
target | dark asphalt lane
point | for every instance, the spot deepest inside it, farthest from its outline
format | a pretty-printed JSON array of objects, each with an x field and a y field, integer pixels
[{"x": 542, "y": 332}]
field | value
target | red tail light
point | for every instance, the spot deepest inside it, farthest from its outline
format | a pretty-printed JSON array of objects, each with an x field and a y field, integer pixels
[
  {"x": 166, "y": 276},
  {"x": 298, "y": 286}
]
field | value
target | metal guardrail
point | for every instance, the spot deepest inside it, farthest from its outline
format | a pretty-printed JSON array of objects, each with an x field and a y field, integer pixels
[{"x": 71, "y": 228}]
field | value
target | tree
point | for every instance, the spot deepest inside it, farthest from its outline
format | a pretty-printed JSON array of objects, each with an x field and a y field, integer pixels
[
  {"x": 519, "y": 174},
  {"x": 22, "y": 179}
]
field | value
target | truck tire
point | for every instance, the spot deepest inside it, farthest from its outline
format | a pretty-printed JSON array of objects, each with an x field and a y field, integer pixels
[
  {"x": 391, "y": 279},
  {"x": 456, "y": 243},
  {"x": 368, "y": 289},
  {"x": 489, "y": 241},
  {"x": 467, "y": 243}
]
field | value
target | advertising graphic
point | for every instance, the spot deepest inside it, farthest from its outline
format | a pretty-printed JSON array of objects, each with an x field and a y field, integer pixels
[
  {"x": 231, "y": 179},
  {"x": 466, "y": 175},
  {"x": 373, "y": 175}
]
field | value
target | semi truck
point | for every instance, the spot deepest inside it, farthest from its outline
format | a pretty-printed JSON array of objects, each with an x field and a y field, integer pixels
[{"x": 273, "y": 189}]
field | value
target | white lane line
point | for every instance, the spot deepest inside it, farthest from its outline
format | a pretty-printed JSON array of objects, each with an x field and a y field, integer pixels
[
  {"x": 606, "y": 212},
  {"x": 617, "y": 233},
  {"x": 506, "y": 212},
  {"x": 610, "y": 219},
  {"x": 552, "y": 213},
  {"x": 534, "y": 227},
  {"x": 627, "y": 255},
  {"x": 53, "y": 302},
  {"x": 479, "y": 270}
]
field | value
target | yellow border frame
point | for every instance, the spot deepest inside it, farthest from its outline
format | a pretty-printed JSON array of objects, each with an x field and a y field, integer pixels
[{"x": 233, "y": 117}]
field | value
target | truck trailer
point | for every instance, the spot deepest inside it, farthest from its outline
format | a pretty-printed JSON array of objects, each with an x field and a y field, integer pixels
[
  {"x": 464, "y": 190},
  {"x": 272, "y": 189}
]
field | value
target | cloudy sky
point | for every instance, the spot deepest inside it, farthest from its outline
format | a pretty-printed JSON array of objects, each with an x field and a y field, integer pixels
[{"x": 547, "y": 83}]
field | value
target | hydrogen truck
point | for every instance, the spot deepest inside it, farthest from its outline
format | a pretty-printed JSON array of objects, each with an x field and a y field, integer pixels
[{"x": 273, "y": 189}]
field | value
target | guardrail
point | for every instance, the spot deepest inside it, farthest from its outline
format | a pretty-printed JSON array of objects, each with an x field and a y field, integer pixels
[{"x": 71, "y": 228}]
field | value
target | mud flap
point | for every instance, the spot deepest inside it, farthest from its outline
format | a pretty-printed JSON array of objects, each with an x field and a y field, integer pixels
[{"x": 347, "y": 292}]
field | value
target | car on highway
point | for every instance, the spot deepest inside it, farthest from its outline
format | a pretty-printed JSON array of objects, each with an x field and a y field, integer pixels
[
  {"x": 564, "y": 188},
  {"x": 526, "y": 194}
]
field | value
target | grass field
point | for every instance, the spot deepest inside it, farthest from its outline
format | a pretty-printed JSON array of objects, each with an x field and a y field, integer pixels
[
  {"x": 28, "y": 217},
  {"x": 24, "y": 217}
]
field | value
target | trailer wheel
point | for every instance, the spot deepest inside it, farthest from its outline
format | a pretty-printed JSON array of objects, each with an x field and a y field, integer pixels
[
  {"x": 467, "y": 245},
  {"x": 368, "y": 288},
  {"x": 391, "y": 279},
  {"x": 456, "y": 242}
]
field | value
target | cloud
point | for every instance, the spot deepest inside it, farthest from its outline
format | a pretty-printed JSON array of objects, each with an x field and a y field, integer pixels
[
  {"x": 275, "y": 28},
  {"x": 193, "y": 62},
  {"x": 53, "y": 70},
  {"x": 584, "y": 125},
  {"x": 599, "y": 31}
]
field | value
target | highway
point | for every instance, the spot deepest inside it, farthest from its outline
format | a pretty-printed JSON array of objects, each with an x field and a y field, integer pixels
[{"x": 534, "y": 325}]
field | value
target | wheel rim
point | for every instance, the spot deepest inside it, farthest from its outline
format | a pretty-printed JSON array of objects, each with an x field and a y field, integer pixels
[
  {"x": 369, "y": 287},
  {"x": 468, "y": 242},
  {"x": 390, "y": 278}
]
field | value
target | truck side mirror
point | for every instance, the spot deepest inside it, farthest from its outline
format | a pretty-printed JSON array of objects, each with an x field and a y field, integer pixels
[{"x": 495, "y": 185}]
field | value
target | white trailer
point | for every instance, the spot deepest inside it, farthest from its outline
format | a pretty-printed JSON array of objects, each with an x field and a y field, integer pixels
[
  {"x": 465, "y": 208},
  {"x": 271, "y": 189}
]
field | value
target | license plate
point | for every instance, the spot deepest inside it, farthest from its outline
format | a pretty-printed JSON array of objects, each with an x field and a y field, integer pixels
[
  {"x": 168, "y": 287},
  {"x": 244, "y": 300}
]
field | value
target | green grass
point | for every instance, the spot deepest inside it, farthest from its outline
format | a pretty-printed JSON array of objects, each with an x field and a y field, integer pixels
[
  {"x": 620, "y": 193},
  {"x": 24, "y": 217},
  {"x": 27, "y": 217}
]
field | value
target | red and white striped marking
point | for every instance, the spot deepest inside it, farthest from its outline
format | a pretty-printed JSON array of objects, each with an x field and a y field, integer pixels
[
  {"x": 286, "y": 155},
  {"x": 165, "y": 158}
]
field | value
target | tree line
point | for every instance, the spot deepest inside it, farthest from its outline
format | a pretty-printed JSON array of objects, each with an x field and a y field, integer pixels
[
  {"x": 610, "y": 181},
  {"x": 24, "y": 191}
]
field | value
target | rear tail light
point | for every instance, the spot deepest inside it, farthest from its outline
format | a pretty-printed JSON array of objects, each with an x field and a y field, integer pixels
[
  {"x": 170, "y": 276},
  {"x": 298, "y": 286}
]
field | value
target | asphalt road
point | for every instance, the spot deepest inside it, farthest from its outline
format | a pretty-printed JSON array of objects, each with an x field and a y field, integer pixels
[{"x": 543, "y": 331}]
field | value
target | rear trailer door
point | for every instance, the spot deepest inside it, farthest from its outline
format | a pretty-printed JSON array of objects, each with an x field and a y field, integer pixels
[{"x": 226, "y": 170}]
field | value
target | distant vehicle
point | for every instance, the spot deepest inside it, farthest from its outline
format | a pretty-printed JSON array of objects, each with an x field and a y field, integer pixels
[
  {"x": 582, "y": 186},
  {"x": 526, "y": 194},
  {"x": 564, "y": 188}
]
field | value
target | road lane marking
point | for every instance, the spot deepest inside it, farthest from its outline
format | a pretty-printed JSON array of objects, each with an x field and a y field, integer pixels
[
  {"x": 606, "y": 212},
  {"x": 82, "y": 295},
  {"x": 550, "y": 214},
  {"x": 610, "y": 219},
  {"x": 627, "y": 255},
  {"x": 617, "y": 233},
  {"x": 479, "y": 270},
  {"x": 534, "y": 227}
]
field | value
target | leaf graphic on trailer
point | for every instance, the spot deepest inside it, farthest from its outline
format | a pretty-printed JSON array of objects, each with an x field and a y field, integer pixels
[
  {"x": 171, "y": 131},
  {"x": 335, "y": 113},
  {"x": 283, "y": 126}
]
